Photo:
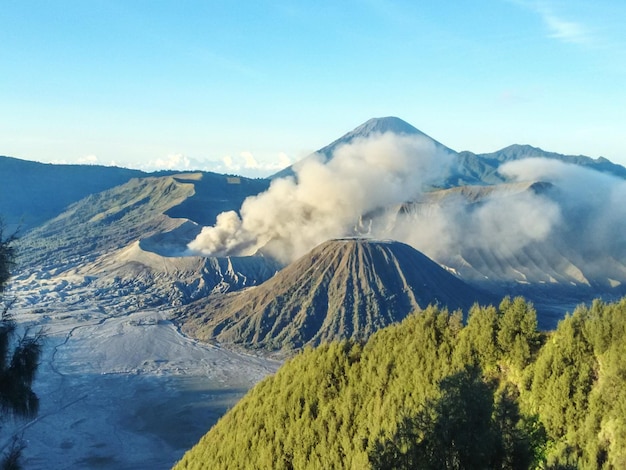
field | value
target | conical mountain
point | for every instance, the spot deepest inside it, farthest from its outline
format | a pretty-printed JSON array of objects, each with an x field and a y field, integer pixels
[
  {"x": 342, "y": 288},
  {"x": 382, "y": 125},
  {"x": 369, "y": 128}
]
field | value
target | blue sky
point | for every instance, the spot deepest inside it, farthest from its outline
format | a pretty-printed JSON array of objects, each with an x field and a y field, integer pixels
[{"x": 248, "y": 86}]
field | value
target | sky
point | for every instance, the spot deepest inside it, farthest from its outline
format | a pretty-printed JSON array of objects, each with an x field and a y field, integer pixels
[{"x": 248, "y": 87}]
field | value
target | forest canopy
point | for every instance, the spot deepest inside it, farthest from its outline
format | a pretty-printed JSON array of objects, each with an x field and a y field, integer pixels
[{"x": 431, "y": 392}]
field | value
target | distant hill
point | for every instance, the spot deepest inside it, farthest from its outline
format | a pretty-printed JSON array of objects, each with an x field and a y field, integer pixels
[
  {"x": 32, "y": 192},
  {"x": 485, "y": 166},
  {"x": 137, "y": 209},
  {"x": 131, "y": 241},
  {"x": 346, "y": 288},
  {"x": 519, "y": 152}
]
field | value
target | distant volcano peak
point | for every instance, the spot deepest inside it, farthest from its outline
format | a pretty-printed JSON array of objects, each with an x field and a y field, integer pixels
[
  {"x": 385, "y": 124},
  {"x": 382, "y": 125},
  {"x": 370, "y": 128}
]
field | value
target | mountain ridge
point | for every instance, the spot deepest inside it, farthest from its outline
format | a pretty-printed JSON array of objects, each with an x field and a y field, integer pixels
[
  {"x": 33, "y": 192},
  {"x": 371, "y": 127},
  {"x": 521, "y": 151},
  {"x": 472, "y": 168}
]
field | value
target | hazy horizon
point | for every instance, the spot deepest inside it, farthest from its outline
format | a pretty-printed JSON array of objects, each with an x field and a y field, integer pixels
[{"x": 251, "y": 87}]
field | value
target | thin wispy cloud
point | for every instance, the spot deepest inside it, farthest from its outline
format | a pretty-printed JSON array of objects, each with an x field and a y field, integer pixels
[
  {"x": 559, "y": 25},
  {"x": 565, "y": 30}
]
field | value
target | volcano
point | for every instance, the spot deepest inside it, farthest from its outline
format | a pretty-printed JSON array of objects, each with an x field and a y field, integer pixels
[{"x": 343, "y": 288}]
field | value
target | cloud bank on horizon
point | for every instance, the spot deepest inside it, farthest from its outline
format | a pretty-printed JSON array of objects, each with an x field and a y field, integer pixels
[
  {"x": 360, "y": 190},
  {"x": 244, "y": 164}
]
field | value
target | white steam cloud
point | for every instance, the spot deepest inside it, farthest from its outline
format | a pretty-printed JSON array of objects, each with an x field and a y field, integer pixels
[
  {"x": 504, "y": 221},
  {"x": 378, "y": 187},
  {"x": 592, "y": 203},
  {"x": 570, "y": 224},
  {"x": 326, "y": 198}
]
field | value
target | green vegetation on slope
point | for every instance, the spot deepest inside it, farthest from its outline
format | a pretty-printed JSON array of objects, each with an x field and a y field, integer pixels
[
  {"x": 104, "y": 221},
  {"x": 432, "y": 393}
]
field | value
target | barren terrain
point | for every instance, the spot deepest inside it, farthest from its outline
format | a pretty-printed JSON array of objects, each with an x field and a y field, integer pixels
[{"x": 124, "y": 390}]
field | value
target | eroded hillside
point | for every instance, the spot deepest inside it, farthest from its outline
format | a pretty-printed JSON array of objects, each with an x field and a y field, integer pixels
[{"x": 346, "y": 288}]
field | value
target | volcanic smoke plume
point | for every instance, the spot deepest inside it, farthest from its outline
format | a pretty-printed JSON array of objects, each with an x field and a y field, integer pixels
[
  {"x": 579, "y": 213},
  {"x": 326, "y": 198},
  {"x": 575, "y": 216}
]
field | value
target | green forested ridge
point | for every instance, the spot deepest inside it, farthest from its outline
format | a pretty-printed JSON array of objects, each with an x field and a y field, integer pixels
[{"x": 432, "y": 393}]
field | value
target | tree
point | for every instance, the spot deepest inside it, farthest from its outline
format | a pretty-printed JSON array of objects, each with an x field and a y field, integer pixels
[
  {"x": 477, "y": 343},
  {"x": 19, "y": 358},
  {"x": 518, "y": 337},
  {"x": 467, "y": 427}
]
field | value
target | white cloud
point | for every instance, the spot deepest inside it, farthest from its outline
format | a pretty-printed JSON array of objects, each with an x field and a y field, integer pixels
[
  {"x": 176, "y": 161},
  {"x": 88, "y": 160},
  {"x": 559, "y": 27},
  {"x": 564, "y": 30},
  {"x": 326, "y": 200},
  {"x": 363, "y": 189},
  {"x": 181, "y": 162},
  {"x": 228, "y": 161},
  {"x": 283, "y": 160},
  {"x": 246, "y": 164},
  {"x": 250, "y": 161}
]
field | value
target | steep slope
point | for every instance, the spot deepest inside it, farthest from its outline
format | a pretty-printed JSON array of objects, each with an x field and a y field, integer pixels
[
  {"x": 541, "y": 261},
  {"x": 214, "y": 193},
  {"x": 346, "y": 288},
  {"x": 130, "y": 241},
  {"x": 168, "y": 206},
  {"x": 477, "y": 231},
  {"x": 32, "y": 193},
  {"x": 103, "y": 222},
  {"x": 379, "y": 126},
  {"x": 133, "y": 275}
]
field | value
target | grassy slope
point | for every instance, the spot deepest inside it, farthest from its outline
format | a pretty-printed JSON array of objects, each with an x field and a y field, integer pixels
[{"x": 138, "y": 209}]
